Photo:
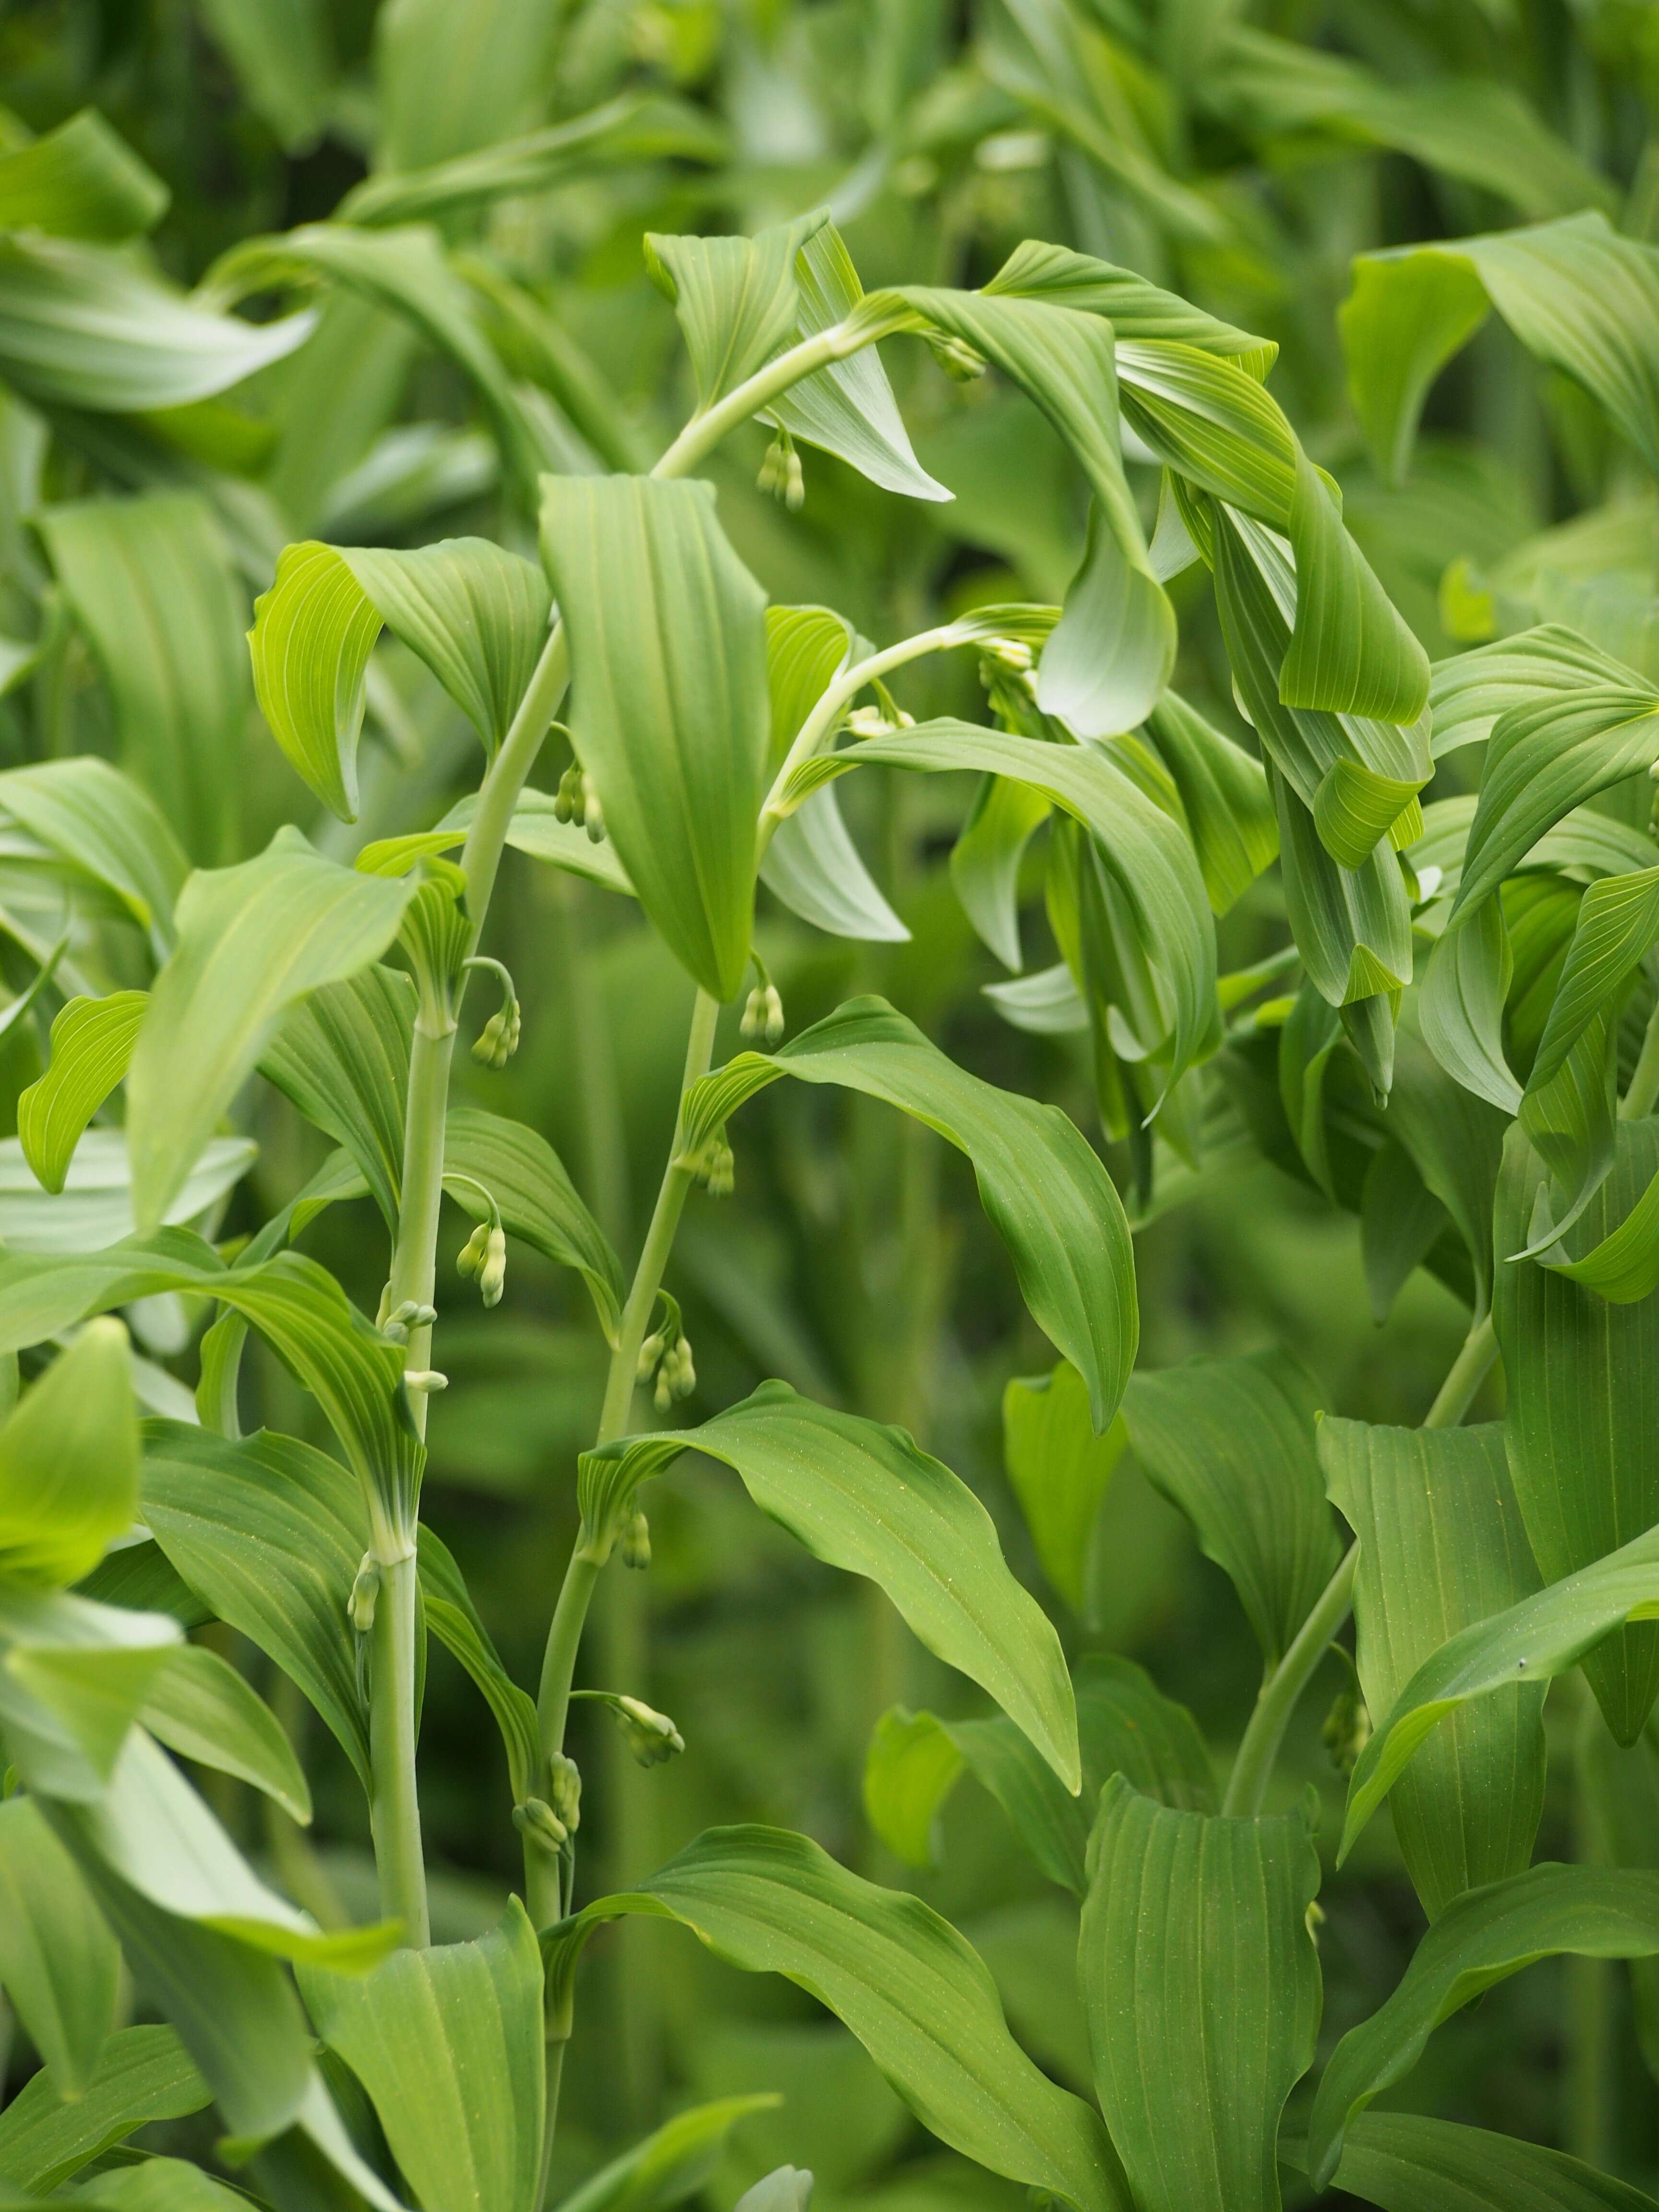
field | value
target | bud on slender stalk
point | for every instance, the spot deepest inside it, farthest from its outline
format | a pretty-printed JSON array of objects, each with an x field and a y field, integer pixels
[{"x": 650, "y": 1736}]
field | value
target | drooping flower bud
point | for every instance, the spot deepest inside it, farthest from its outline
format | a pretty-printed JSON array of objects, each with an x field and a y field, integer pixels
[
  {"x": 470, "y": 1261},
  {"x": 650, "y": 1736},
  {"x": 566, "y": 1791},
  {"x": 592, "y": 813},
  {"x": 961, "y": 362},
  {"x": 498, "y": 1040},
  {"x": 753, "y": 1014},
  {"x": 869, "y": 722},
  {"x": 773, "y": 1013},
  {"x": 722, "y": 1170},
  {"x": 492, "y": 1275},
  {"x": 650, "y": 1352},
  {"x": 781, "y": 474},
  {"x": 537, "y": 1821},
  {"x": 569, "y": 804},
  {"x": 635, "y": 1541}
]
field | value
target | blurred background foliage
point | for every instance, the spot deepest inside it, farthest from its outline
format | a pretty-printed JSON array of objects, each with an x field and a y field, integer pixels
[{"x": 1240, "y": 154}]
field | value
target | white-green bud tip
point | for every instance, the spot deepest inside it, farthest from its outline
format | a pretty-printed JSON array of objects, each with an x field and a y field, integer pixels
[
  {"x": 565, "y": 1789},
  {"x": 650, "y": 1736},
  {"x": 537, "y": 1821},
  {"x": 492, "y": 1275},
  {"x": 470, "y": 1258}
]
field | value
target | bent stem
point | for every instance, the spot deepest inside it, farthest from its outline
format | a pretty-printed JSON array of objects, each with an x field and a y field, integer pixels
[{"x": 1247, "y": 1785}]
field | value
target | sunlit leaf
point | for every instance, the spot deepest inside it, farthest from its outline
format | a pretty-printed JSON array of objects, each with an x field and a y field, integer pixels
[
  {"x": 79, "y": 181},
  {"x": 91, "y": 1042}
]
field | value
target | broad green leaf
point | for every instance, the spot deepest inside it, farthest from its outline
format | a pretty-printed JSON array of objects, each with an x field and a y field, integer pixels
[
  {"x": 670, "y": 706},
  {"x": 1407, "y": 2163},
  {"x": 1134, "y": 307},
  {"x": 1058, "y": 1469},
  {"x": 1201, "y": 1985},
  {"x": 73, "y": 1676},
  {"x": 159, "y": 2184},
  {"x": 149, "y": 581},
  {"x": 1352, "y": 926},
  {"x": 475, "y": 614},
  {"x": 814, "y": 867},
  {"x": 1578, "y": 1425},
  {"x": 69, "y": 1463},
  {"x": 1456, "y": 1143},
  {"x": 95, "y": 1208},
  {"x": 200, "y": 1706},
  {"x": 985, "y": 862},
  {"x": 538, "y": 1202},
  {"x": 1400, "y": 324},
  {"x": 627, "y": 130},
  {"x": 341, "y": 1056},
  {"x": 910, "y": 1987},
  {"x": 447, "y": 2042},
  {"x": 252, "y": 940},
  {"x": 1442, "y": 1546},
  {"x": 1042, "y": 1185},
  {"x": 91, "y": 1042},
  {"x": 58, "y": 1962},
  {"x": 1596, "y": 1912},
  {"x": 673, "y": 2163},
  {"x": 1469, "y": 692},
  {"x": 1047, "y": 1004},
  {"x": 1224, "y": 796},
  {"x": 272, "y": 1533},
  {"x": 145, "y": 2074},
  {"x": 1230, "y": 1442},
  {"x": 534, "y": 828},
  {"x": 98, "y": 819},
  {"x": 1460, "y": 1005},
  {"x": 79, "y": 181},
  {"x": 83, "y": 327},
  {"x": 863, "y": 1496},
  {"x": 806, "y": 647},
  {"x": 1400, "y": 1223},
  {"x": 1580, "y": 298},
  {"x": 847, "y": 407},
  {"x": 453, "y": 1618},
  {"x": 450, "y": 79},
  {"x": 1149, "y": 859},
  {"x": 735, "y": 298},
  {"x": 1125, "y": 1726},
  {"x": 1618, "y": 921}
]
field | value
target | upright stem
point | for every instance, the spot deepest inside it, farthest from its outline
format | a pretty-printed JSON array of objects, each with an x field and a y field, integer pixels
[
  {"x": 394, "y": 1806},
  {"x": 1247, "y": 1785},
  {"x": 415, "y": 1255},
  {"x": 1643, "y": 1090}
]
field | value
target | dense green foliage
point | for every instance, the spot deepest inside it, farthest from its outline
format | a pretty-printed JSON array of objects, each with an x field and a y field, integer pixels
[{"x": 1000, "y": 665}]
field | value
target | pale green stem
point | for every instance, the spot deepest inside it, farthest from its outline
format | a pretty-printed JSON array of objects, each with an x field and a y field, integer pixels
[
  {"x": 394, "y": 1805},
  {"x": 1638, "y": 1099},
  {"x": 704, "y": 432},
  {"x": 482, "y": 854},
  {"x": 1247, "y": 1785}
]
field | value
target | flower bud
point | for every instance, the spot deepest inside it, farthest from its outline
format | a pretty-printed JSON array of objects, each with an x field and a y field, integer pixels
[
  {"x": 961, "y": 362},
  {"x": 722, "y": 1170},
  {"x": 566, "y": 1791},
  {"x": 536, "y": 1820},
  {"x": 774, "y": 1011},
  {"x": 1009, "y": 652},
  {"x": 635, "y": 1544},
  {"x": 470, "y": 1259},
  {"x": 868, "y": 722},
  {"x": 794, "y": 482},
  {"x": 498, "y": 1040},
  {"x": 492, "y": 1276},
  {"x": 592, "y": 813},
  {"x": 753, "y": 1014},
  {"x": 650, "y": 1736},
  {"x": 650, "y": 1352},
  {"x": 663, "y": 1396},
  {"x": 567, "y": 802},
  {"x": 365, "y": 1589}
]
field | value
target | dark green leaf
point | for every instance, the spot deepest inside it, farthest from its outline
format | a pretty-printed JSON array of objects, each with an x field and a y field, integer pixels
[
  {"x": 1406, "y": 2163},
  {"x": 58, "y": 1962},
  {"x": 145, "y": 2074},
  {"x": 91, "y": 1042}
]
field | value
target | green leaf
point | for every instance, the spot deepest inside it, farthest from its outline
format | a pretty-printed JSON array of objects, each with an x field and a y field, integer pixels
[
  {"x": 454, "y": 1619},
  {"x": 1148, "y": 858},
  {"x": 91, "y": 1042},
  {"x": 280, "y": 54},
  {"x": 672, "y": 2163},
  {"x": 1620, "y": 1793},
  {"x": 1060, "y": 1469},
  {"x": 908, "y": 1986},
  {"x": 200, "y": 1706},
  {"x": 1224, "y": 796},
  {"x": 1352, "y": 926},
  {"x": 1043, "y": 1188},
  {"x": 1201, "y": 1985},
  {"x": 846, "y": 408},
  {"x": 271, "y": 1532},
  {"x": 475, "y": 614},
  {"x": 814, "y": 867},
  {"x": 447, "y": 2042},
  {"x": 538, "y": 1202},
  {"x": 671, "y": 707},
  {"x": 159, "y": 2184},
  {"x": 145, "y": 2074},
  {"x": 58, "y": 1962},
  {"x": 405, "y": 271},
  {"x": 735, "y": 298},
  {"x": 1400, "y": 324},
  {"x": 985, "y": 862},
  {"x": 1230, "y": 1442},
  {"x": 911, "y": 1767},
  {"x": 92, "y": 816},
  {"x": 450, "y": 79},
  {"x": 69, "y": 1463},
  {"x": 1578, "y": 1424},
  {"x": 341, "y": 1056},
  {"x": 1580, "y": 298},
  {"x": 1135, "y": 308},
  {"x": 863, "y": 1496},
  {"x": 1460, "y": 1006},
  {"x": 1443, "y": 1546},
  {"x": 149, "y": 581},
  {"x": 72, "y": 1678},
  {"x": 94, "y": 1208},
  {"x": 83, "y": 327},
  {"x": 1456, "y": 1143},
  {"x": 80, "y": 181},
  {"x": 1406, "y": 2163},
  {"x": 252, "y": 940},
  {"x": 1596, "y": 1912}
]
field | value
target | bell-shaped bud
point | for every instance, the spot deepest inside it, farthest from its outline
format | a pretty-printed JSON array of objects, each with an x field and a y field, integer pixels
[
  {"x": 565, "y": 1790},
  {"x": 470, "y": 1261},
  {"x": 635, "y": 1541},
  {"x": 722, "y": 1170},
  {"x": 592, "y": 813},
  {"x": 650, "y": 1736},
  {"x": 492, "y": 1275},
  {"x": 567, "y": 800},
  {"x": 537, "y": 1821},
  {"x": 868, "y": 722},
  {"x": 650, "y": 1352},
  {"x": 365, "y": 1589},
  {"x": 753, "y": 1014},
  {"x": 773, "y": 1013}
]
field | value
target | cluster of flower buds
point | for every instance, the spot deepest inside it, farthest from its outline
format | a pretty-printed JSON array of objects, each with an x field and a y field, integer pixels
[
  {"x": 365, "y": 1589},
  {"x": 720, "y": 1171},
  {"x": 398, "y": 1326},
  {"x": 577, "y": 800},
  {"x": 1005, "y": 661},
  {"x": 763, "y": 1014},
  {"x": 668, "y": 1350},
  {"x": 484, "y": 1261},
  {"x": 537, "y": 1821},
  {"x": 635, "y": 1543},
  {"x": 650, "y": 1736},
  {"x": 780, "y": 473},
  {"x": 565, "y": 1791},
  {"x": 498, "y": 1040},
  {"x": 962, "y": 362}
]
